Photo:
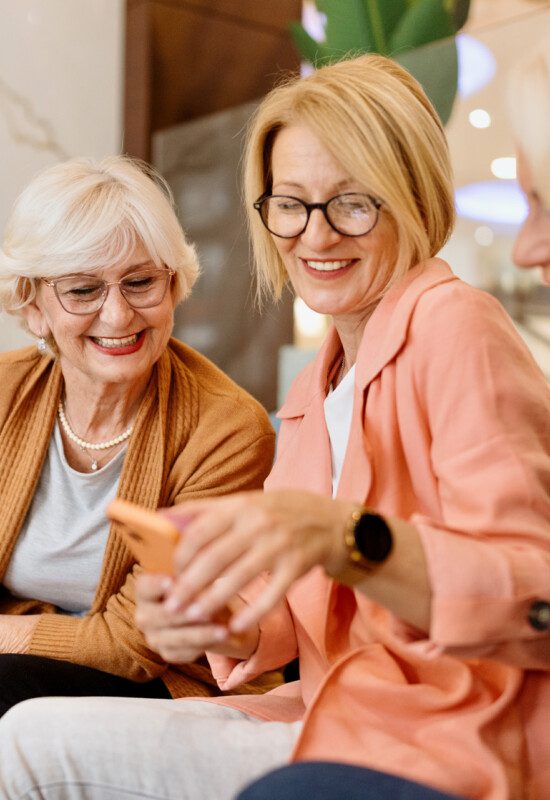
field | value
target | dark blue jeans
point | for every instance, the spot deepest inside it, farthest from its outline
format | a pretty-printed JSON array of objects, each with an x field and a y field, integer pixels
[{"x": 320, "y": 780}]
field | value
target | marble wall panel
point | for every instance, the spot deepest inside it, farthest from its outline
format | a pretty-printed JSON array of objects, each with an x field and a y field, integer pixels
[{"x": 201, "y": 161}]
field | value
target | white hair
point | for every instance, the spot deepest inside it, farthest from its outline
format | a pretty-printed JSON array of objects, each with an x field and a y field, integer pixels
[
  {"x": 529, "y": 102},
  {"x": 82, "y": 215}
]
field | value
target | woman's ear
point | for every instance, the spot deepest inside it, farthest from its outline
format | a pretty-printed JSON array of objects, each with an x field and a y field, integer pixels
[{"x": 35, "y": 319}]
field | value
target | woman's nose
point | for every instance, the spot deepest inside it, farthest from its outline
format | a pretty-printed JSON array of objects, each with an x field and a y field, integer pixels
[
  {"x": 116, "y": 310},
  {"x": 319, "y": 235}
]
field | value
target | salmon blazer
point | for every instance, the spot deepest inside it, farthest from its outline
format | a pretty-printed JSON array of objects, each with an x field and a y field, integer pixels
[{"x": 451, "y": 430}]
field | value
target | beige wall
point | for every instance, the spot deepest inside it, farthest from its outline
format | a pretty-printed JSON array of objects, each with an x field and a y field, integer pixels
[{"x": 61, "y": 85}]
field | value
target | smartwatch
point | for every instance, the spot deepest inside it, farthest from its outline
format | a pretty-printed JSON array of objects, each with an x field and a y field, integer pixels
[{"x": 368, "y": 539}]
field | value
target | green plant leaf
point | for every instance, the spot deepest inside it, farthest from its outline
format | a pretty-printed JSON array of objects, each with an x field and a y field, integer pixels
[
  {"x": 435, "y": 66},
  {"x": 389, "y": 12},
  {"x": 314, "y": 52},
  {"x": 421, "y": 24},
  {"x": 460, "y": 11},
  {"x": 347, "y": 27}
]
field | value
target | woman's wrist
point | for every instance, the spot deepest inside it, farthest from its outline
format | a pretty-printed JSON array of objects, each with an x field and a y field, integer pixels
[
  {"x": 364, "y": 541},
  {"x": 338, "y": 563}
]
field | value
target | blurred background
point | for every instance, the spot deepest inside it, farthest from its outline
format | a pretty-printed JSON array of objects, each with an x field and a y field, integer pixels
[{"x": 174, "y": 82}]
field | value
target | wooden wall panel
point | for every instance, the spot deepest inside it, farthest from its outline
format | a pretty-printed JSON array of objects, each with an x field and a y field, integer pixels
[
  {"x": 138, "y": 79},
  {"x": 189, "y": 58}
]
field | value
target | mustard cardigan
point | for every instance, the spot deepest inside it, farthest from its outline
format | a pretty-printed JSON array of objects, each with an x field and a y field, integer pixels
[{"x": 197, "y": 434}]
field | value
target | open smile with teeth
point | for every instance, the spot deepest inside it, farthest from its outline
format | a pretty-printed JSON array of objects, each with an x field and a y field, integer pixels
[
  {"x": 124, "y": 342},
  {"x": 328, "y": 266}
]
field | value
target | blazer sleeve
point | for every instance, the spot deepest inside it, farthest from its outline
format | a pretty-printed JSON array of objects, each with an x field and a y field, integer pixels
[{"x": 488, "y": 411}]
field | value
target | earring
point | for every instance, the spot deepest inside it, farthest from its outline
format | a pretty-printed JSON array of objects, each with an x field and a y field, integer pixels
[{"x": 41, "y": 345}]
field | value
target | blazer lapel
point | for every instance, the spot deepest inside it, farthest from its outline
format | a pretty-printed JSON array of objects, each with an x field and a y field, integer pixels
[
  {"x": 384, "y": 336},
  {"x": 303, "y": 455}
]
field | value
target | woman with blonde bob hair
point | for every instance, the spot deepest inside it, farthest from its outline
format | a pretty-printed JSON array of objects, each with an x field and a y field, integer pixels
[
  {"x": 401, "y": 549},
  {"x": 94, "y": 262},
  {"x": 370, "y": 129}
]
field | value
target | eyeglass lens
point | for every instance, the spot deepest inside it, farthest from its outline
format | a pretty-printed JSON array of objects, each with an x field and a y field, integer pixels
[
  {"x": 84, "y": 294},
  {"x": 349, "y": 214}
]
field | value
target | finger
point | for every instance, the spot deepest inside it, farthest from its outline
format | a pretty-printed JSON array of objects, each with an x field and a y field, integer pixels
[
  {"x": 211, "y": 562},
  {"x": 199, "y": 533},
  {"x": 216, "y": 596},
  {"x": 186, "y": 512},
  {"x": 152, "y": 587},
  {"x": 186, "y": 643},
  {"x": 229, "y": 562},
  {"x": 210, "y": 519},
  {"x": 152, "y": 616},
  {"x": 274, "y": 591},
  {"x": 182, "y": 515}
]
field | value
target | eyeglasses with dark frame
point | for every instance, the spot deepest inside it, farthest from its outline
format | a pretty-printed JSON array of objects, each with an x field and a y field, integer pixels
[
  {"x": 85, "y": 294},
  {"x": 350, "y": 214}
]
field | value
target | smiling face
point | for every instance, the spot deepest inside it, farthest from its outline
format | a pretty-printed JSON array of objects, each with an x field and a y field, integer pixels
[
  {"x": 331, "y": 272},
  {"x": 532, "y": 246},
  {"x": 115, "y": 345}
]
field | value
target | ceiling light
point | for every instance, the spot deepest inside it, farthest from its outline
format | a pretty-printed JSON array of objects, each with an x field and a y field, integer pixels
[
  {"x": 476, "y": 64},
  {"x": 314, "y": 21},
  {"x": 484, "y": 235},
  {"x": 479, "y": 118},
  {"x": 492, "y": 202},
  {"x": 504, "y": 168}
]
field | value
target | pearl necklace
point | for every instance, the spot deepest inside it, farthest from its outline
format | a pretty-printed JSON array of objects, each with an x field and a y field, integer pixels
[{"x": 90, "y": 445}]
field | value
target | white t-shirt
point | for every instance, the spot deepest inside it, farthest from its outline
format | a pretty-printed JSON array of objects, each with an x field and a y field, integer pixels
[
  {"x": 59, "y": 552},
  {"x": 338, "y": 411}
]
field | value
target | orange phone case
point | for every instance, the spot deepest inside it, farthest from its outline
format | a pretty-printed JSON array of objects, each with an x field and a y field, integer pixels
[{"x": 151, "y": 537}]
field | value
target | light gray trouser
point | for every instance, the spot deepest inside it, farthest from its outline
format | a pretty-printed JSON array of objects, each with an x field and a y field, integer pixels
[{"x": 105, "y": 748}]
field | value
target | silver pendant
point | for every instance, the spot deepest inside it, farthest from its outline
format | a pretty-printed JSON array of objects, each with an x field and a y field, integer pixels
[{"x": 94, "y": 465}]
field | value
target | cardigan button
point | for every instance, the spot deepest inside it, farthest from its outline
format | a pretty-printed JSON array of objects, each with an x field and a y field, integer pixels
[{"x": 539, "y": 615}]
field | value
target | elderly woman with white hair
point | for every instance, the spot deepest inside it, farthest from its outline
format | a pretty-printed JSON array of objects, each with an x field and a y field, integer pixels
[{"x": 94, "y": 262}]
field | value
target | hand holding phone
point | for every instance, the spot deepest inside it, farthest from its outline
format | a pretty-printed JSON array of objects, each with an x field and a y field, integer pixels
[{"x": 151, "y": 537}]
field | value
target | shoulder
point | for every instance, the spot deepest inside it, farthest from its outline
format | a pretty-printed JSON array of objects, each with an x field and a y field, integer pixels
[
  {"x": 18, "y": 365},
  {"x": 455, "y": 308},
  {"x": 22, "y": 359},
  {"x": 218, "y": 395},
  {"x": 458, "y": 298},
  {"x": 18, "y": 369},
  {"x": 462, "y": 337}
]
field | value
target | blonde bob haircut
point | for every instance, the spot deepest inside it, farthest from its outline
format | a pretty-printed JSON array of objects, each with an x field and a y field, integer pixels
[
  {"x": 529, "y": 104},
  {"x": 82, "y": 215},
  {"x": 376, "y": 121}
]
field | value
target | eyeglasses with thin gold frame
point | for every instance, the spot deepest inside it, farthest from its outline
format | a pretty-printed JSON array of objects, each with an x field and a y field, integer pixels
[{"x": 85, "y": 294}]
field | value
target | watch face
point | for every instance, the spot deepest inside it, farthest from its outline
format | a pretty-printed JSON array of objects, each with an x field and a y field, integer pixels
[{"x": 373, "y": 537}]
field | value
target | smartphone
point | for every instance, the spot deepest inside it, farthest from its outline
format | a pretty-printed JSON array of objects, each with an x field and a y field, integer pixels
[{"x": 151, "y": 537}]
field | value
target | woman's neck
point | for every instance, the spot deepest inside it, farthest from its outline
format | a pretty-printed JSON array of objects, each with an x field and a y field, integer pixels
[
  {"x": 350, "y": 330},
  {"x": 98, "y": 411}
]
